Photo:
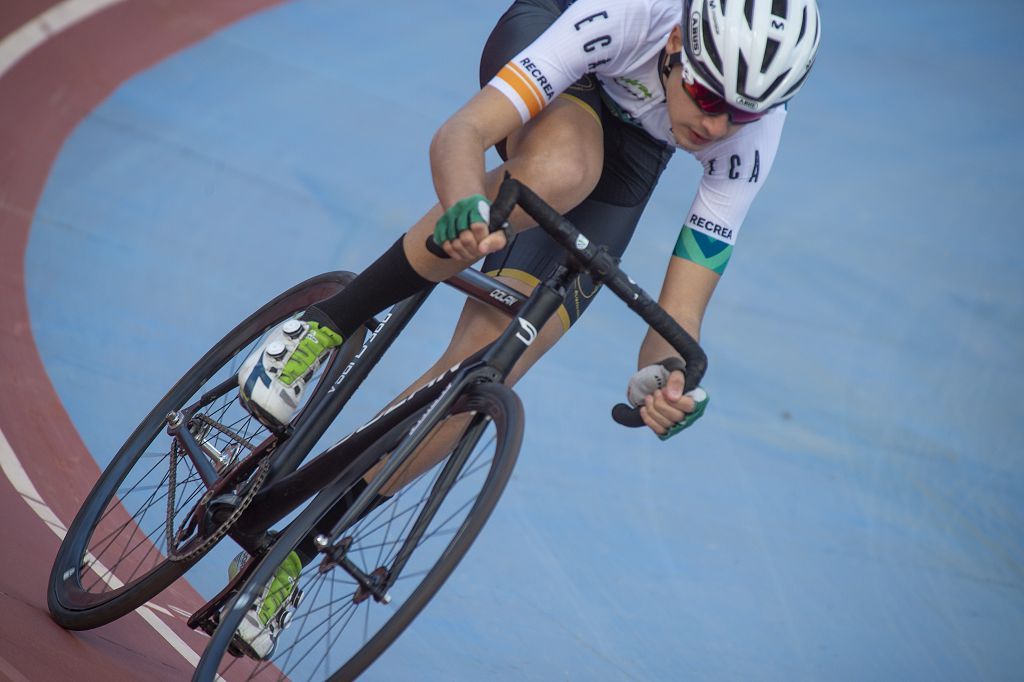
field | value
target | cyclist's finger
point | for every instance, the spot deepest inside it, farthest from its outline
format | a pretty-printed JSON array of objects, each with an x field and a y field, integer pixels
[
  {"x": 468, "y": 245},
  {"x": 674, "y": 386},
  {"x": 455, "y": 249},
  {"x": 493, "y": 243},
  {"x": 645, "y": 415},
  {"x": 480, "y": 231},
  {"x": 671, "y": 409},
  {"x": 660, "y": 413},
  {"x": 450, "y": 250}
]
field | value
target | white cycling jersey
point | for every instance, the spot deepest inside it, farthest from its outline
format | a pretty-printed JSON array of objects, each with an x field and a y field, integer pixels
[{"x": 619, "y": 42}]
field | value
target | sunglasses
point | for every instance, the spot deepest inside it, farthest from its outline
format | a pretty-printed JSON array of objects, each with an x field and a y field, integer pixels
[{"x": 709, "y": 101}]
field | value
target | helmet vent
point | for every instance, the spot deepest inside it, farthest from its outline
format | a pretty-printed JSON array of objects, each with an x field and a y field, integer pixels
[
  {"x": 803, "y": 27},
  {"x": 796, "y": 86},
  {"x": 770, "y": 49},
  {"x": 775, "y": 85},
  {"x": 709, "y": 44},
  {"x": 748, "y": 12},
  {"x": 741, "y": 76},
  {"x": 779, "y": 8}
]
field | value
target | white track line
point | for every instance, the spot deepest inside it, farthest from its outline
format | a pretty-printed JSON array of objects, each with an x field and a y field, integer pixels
[
  {"x": 18, "y": 477},
  {"x": 37, "y": 31},
  {"x": 13, "y": 48}
]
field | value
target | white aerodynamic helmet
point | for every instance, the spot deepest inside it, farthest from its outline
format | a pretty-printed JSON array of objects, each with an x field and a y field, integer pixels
[{"x": 755, "y": 54}]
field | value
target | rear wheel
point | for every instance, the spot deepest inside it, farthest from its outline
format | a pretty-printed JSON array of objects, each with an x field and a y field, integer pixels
[
  {"x": 137, "y": 531},
  {"x": 389, "y": 562}
]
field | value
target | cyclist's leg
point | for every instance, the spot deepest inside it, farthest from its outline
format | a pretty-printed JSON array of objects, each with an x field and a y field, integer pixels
[
  {"x": 559, "y": 153},
  {"x": 608, "y": 217},
  {"x": 478, "y": 326}
]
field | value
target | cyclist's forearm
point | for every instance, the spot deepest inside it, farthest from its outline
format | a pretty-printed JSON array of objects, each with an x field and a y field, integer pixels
[
  {"x": 684, "y": 295},
  {"x": 457, "y": 161},
  {"x": 457, "y": 150},
  {"x": 655, "y": 348}
]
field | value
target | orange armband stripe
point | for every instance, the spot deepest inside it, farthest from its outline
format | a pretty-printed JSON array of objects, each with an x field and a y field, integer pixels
[{"x": 527, "y": 90}]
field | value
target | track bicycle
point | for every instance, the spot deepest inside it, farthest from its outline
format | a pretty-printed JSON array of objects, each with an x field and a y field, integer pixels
[{"x": 200, "y": 468}]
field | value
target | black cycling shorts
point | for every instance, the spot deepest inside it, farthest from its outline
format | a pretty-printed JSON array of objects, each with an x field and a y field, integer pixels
[{"x": 633, "y": 162}]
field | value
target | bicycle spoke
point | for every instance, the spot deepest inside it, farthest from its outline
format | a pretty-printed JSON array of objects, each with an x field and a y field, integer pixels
[{"x": 337, "y": 616}]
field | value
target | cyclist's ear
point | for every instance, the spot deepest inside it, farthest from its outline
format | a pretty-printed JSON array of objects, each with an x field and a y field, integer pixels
[{"x": 675, "y": 41}]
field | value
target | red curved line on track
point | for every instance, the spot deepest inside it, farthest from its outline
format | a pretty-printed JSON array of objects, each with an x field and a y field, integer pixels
[{"x": 42, "y": 98}]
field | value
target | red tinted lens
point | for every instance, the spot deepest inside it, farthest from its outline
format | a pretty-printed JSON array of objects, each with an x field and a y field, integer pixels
[{"x": 710, "y": 103}]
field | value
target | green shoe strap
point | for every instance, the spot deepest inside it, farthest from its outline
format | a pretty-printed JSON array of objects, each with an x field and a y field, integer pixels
[
  {"x": 315, "y": 343},
  {"x": 280, "y": 587}
]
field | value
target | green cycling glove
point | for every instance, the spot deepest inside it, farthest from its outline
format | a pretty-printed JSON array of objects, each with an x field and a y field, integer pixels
[
  {"x": 462, "y": 214},
  {"x": 700, "y": 398}
]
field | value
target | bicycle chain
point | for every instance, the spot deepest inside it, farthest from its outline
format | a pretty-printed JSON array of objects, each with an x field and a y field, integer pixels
[{"x": 255, "y": 483}]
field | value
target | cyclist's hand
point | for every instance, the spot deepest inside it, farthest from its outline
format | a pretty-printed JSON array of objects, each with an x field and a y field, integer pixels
[
  {"x": 664, "y": 408},
  {"x": 462, "y": 230}
]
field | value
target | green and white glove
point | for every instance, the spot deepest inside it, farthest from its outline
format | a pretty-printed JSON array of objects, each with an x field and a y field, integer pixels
[
  {"x": 462, "y": 214},
  {"x": 653, "y": 377},
  {"x": 700, "y": 398}
]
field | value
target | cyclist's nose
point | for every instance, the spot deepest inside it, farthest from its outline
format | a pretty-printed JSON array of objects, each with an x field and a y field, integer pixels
[{"x": 716, "y": 126}]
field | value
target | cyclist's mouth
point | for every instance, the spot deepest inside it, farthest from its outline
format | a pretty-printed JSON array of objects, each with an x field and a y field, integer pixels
[{"x": 697, "y": 139}]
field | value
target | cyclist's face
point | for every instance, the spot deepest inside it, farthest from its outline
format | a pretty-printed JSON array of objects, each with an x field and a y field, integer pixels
[{"x": 692, "y": 128}]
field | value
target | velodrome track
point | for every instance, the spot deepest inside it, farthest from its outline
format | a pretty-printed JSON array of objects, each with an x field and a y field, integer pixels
[
  {"x": 852, "y": 507},
  {"x": 68, "y": 59}
]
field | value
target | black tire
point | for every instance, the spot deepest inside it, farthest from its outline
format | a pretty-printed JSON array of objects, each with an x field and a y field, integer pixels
[
  {"x": 114, "y": 556},
  {"x": 319, "y": 644}
]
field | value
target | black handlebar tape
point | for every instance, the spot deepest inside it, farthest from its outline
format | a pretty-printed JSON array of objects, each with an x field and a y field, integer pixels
[
  {"x": 605, "y": 269},
  {"x": 501, "y": 207},
  {"x": 628, "y": 415}
]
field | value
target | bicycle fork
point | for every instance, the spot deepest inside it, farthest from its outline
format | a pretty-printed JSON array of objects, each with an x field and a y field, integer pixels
[{"x": 377, "y": 582}]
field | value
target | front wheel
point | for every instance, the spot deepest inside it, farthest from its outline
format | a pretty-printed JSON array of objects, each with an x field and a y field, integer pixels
[
  {"x": 116, "y": 553},
  {"x": 405, "y": 547}
]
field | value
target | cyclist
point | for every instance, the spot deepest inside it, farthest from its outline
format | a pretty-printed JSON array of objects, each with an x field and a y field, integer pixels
[{"x": 585, "y": 101}]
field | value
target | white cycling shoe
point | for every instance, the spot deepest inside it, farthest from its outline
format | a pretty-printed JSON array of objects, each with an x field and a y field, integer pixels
[
  {"x": 257, "y": 636},
  {"x": 273, "y": 379}
]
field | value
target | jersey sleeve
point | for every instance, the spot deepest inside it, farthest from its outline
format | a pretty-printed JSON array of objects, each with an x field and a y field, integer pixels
[
  {"x": 591, "y": 36},
  {"x": 734, "y": 171}
]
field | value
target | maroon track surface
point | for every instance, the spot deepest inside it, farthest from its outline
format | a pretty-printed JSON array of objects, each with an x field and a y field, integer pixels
[{"x": 42, "y": 98}]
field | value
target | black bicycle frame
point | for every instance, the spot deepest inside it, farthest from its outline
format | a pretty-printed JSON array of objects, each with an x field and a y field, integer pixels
[
  {"x": 288, "y": 485},
  {"x": 494, "y": 364}
]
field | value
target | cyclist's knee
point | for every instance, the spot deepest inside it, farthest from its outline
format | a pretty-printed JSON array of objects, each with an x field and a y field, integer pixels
[
  {"x": 565, "y": 179},
  {"x": 560, "y": 155}
]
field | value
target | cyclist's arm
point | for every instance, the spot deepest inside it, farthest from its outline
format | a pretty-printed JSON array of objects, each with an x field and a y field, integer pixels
[
  {"x": 589, "y": 37},
  {"x": 684, "y": 295},
  {"x": 457, "y": 150}
]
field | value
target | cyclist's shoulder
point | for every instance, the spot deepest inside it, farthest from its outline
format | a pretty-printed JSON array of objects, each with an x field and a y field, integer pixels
[
  {"x": 636, "y": 18},
  {"x": 616, "y": 36}
]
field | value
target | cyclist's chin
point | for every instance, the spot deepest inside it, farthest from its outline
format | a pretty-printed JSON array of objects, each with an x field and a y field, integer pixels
[{"x": 689, "y": 139}]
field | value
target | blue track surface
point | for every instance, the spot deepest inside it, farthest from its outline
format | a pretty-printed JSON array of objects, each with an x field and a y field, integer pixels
[{"x": 851, "y": 507}]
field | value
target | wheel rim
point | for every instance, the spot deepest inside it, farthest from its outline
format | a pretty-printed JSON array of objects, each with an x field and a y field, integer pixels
[
  {"x": 128, "y": 542},
  {"x": 337, "y": 622},
  {"x": 127, "y": 512}
]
